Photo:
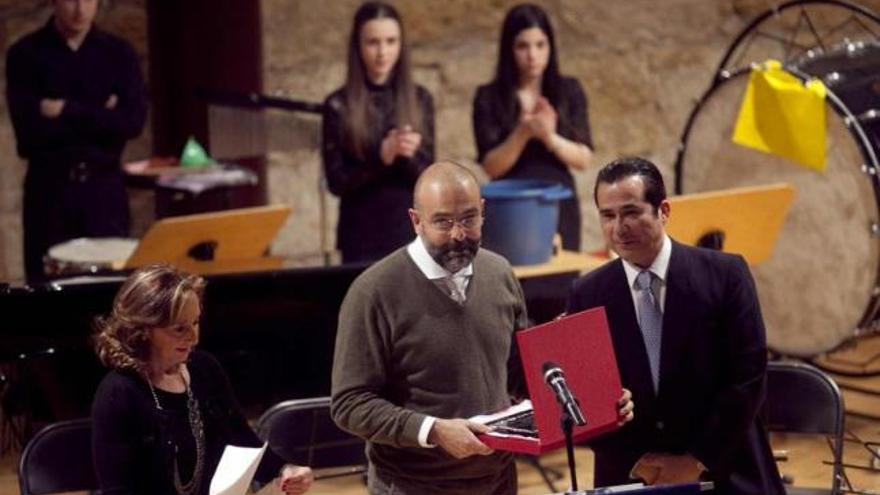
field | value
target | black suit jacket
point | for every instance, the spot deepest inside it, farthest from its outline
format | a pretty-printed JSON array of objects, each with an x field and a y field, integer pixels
[{"x": 712, "y": 371}]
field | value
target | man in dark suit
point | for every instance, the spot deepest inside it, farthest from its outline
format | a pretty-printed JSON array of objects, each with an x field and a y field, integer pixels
[{"x": 689, "y": 340}]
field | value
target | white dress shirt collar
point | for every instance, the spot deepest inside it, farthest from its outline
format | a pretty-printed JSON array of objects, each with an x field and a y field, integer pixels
[
  {"x": 659, "y": 267},
  {"x": 432, "y": 270}
]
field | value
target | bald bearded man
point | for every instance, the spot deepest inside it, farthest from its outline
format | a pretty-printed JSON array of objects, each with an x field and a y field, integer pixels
[{"x": 425, "y": 339}]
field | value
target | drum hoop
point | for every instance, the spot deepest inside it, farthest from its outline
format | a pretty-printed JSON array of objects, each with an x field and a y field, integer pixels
[
  {"x": 856, "y": 131},
  {"x": 721, "y": 71}
]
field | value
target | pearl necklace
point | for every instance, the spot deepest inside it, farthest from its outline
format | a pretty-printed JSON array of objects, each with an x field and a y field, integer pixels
[{"x": 198, "y": 431}]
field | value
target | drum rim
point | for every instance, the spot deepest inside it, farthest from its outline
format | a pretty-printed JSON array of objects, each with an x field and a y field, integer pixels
[{"x": 866, "y": 150}]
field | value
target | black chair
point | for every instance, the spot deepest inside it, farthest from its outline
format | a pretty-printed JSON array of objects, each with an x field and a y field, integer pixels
[
  {"x": 802, "y": 399},
  {"x": 58, "y": 459},
  {"x": 301, "y": 431}
]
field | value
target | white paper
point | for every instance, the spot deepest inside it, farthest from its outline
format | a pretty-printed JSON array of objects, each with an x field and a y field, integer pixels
[
  {"x": 236, "y": 470},
  {"x": 525, "y": 405}
]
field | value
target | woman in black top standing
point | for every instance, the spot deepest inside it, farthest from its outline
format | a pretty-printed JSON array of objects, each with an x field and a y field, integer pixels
[
  {"x": 530, "y": 122},
  {"x": 378, "y": 136},
  {"x": 165, "y": 412}
]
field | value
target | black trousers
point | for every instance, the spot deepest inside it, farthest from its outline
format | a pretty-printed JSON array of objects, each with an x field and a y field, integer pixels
[{"x": 60, "y": 205}]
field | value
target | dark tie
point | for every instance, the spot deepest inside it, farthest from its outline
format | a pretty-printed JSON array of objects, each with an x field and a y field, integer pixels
[{"x": 651, "y": 322}]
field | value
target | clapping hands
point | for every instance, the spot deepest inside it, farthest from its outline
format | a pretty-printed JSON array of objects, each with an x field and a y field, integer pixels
[
  {"x": 541, "y": 121},
  {"x": 399, "y": 142}
]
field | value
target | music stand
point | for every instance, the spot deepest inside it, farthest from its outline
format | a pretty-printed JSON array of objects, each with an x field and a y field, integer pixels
[
  {"x": 743, "y": 220},
  {"x": 217, "y": 242}
]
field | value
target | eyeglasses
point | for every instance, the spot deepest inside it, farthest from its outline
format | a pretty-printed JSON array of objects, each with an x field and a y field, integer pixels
[{"x": 468, "y": 223}]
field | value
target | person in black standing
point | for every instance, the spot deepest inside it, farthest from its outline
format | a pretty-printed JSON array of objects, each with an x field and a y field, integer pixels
[
  {"x": 530, "y": 122},
  {"x": 75, "y": 96},
  {"x": 378, "y": 137}
]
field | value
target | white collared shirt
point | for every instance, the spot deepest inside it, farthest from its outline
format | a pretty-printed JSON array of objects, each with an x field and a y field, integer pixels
[
  {"x": 659, "y": 268},
  {"x": 433, "y": 271}
]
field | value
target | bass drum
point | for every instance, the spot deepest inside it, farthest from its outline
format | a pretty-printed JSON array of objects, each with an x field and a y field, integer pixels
[
  {"x": 819, "y": 287},
  {"x": 88, "y": 255}
]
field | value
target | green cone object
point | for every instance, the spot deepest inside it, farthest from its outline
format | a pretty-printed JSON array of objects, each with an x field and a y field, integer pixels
[{"x": 194, "y": 155}]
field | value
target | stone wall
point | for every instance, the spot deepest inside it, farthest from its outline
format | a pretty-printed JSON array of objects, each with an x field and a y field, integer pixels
[
  {"x": 126, "y": 18},
  {"x": 642, "y": 62}
]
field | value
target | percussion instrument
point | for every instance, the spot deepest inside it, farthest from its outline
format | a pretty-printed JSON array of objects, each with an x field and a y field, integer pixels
[
  {"x": 820, "y": 286},
  {"x": 88, "y": 255}
]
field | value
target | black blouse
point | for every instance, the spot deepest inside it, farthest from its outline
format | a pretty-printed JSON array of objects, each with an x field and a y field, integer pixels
[
  {"x": 492, "y": 125},
  {"x": 133, "y": 442},
  {"x": 373, "y": 198}
]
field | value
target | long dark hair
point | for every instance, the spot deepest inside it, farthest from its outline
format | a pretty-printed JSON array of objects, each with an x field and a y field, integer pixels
[
  {"x": 519, "y": 18},
  {"x": 360, "y": 116}
]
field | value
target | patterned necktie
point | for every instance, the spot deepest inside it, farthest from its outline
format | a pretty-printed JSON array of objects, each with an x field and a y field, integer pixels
[
  {"x": 454, "y": 292},
  {"x": 651, "y": 322}
]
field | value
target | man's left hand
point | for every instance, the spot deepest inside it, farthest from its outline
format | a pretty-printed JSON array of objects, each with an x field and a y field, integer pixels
[
  {"x": 670, "y": 468},
  {"x": 625, "y": 408}
]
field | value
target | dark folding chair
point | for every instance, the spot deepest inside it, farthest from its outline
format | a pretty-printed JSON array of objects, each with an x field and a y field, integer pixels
[
  {"x": 302, "y": 432},
  {"x": 58, "y": 459},
  {"x": 802, "y": 399}
]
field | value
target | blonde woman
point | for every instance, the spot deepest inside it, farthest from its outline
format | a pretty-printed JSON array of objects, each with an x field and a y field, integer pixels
[{"x": 164, "y": 413}]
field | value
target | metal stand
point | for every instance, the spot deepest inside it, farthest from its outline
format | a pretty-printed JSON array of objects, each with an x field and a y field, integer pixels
[{"x": 567, "y": 424}]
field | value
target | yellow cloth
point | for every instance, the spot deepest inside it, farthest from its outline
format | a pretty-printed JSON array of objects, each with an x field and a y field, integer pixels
[{"x": 781, "y": 115}]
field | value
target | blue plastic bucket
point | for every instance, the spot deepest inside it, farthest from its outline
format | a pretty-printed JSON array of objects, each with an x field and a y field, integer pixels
[{"x": 521, "y": 218}]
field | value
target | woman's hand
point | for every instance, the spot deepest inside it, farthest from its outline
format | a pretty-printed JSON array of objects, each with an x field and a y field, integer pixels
[
  {"x": 388, "y": 149},
  {"x": 543, "y": 122},
  {"x": 399, "y": 142},
  {"x": 408, "y": 142},
  {"x": 295, "y": 480}
]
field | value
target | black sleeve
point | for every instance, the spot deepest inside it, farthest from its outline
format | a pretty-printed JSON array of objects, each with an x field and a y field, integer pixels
[
  {"x": 345, "y": 173},
  {"x": 32, "y": 129},
  {"x": 238, "y": 430},
  {"x": 577, "y": 116},
  {"x": 488, "y": 132},
  {"x": 126, "y": 120},
  {"x": 115, "y": 437},
  {"x": 413, "y": 167},
  {"x": 741, "y": 394}
]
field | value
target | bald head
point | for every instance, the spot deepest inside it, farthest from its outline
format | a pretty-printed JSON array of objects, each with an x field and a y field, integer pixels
[
  {"x": 443, "y": 176},
  {"x": 447, "y": 214}
]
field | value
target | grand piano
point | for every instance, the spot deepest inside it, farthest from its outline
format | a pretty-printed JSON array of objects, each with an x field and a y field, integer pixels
[{"x": 273, "y": 331}]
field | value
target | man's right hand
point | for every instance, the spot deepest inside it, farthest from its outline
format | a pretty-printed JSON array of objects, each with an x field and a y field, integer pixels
[{"x": 456, "y": 436}]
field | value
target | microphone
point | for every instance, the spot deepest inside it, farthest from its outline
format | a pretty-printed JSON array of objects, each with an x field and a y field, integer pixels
[{"x": 555, "y": 378}]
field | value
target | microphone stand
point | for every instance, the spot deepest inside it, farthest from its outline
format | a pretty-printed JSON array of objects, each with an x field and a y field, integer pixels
[{"x": 567, "y": 424}]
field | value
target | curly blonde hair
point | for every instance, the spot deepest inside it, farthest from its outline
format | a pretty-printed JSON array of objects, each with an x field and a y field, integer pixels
[{"x": 151, "y": 297}]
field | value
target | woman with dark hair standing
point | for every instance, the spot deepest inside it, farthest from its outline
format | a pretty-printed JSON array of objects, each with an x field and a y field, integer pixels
[
  {"x": 378, "y": 136},
  {"x": 530, "y": 122},
  {"x": 165, "y": 412}
]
